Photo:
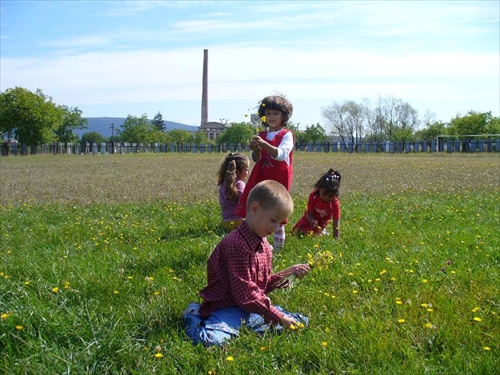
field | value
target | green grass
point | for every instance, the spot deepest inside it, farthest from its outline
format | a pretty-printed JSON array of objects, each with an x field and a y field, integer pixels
[{"x": 100, "y": 255}]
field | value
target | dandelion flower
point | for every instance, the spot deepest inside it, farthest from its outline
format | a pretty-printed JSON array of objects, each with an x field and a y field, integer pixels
[
  {"x": 5, "y": 315},
  {"x": 230, "y": 358},
  {"x": 478, "y": 319},
  {"x": 324, "y": 343},
  {"x": 19, "y": 328},
  {"x": 401, "y": 320},
  {"x": 429, "y": 325},
  {"x": 487, "y": 348},
  {"x": 476, "y": 309},
  {"x": 262, "y": 348},
  {"x": 55, "y": 290},
  {"x": 263, "y": 119},
  {"x": 159, "y": 355}
]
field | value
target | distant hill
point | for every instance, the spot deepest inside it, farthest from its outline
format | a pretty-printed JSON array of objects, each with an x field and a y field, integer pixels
[{"x": 102, "y": 125}]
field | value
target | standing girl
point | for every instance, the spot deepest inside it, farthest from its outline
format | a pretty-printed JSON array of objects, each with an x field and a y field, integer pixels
[
  {"x": 323, "y": 205},
  {"x": 231, "y": 181},
  {"x": 272, "y": 152}
]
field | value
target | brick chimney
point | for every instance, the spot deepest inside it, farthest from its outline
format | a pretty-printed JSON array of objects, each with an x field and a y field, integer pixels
[{"x": 204, "y": 90}]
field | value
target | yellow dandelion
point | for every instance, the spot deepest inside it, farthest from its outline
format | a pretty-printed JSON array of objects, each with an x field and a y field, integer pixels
[
  {"x": 159, "y": 355},
  {"x": 324, "y": 343},
  {"x": 354, "y": 292},
  {"x": 476, "y": 309},
  {"x": 292, "y": 327},
  {"x": 55, "y": 290},
  {"x": 116, "y": 292},
  {"x": 487, "y": 348},
  {"x": 230, "y": 358},
  {"x": 19, "y": 328},
  {"x": 262, "y": 348},
  {"x": 399, "y": 302},
  {"x": 5, "y": 315},
  {"x": 429, "y": 325},
  {"x": 263, "y": 119},
  {"x": 478, "y": 319},
  {"x": 401, "y": 320},
  {"x": 383, "y": 272},
  {"x": 430, "y": 310}
]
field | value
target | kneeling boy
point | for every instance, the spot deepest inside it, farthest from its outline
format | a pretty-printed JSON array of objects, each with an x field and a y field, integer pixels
[{"x": 239, "y": 275}]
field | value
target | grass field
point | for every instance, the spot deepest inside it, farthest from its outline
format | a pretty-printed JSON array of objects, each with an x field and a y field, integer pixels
[{"x": 99, "y": 256}]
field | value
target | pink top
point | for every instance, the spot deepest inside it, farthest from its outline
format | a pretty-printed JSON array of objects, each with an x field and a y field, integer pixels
[{"x": 228, "y": 206}]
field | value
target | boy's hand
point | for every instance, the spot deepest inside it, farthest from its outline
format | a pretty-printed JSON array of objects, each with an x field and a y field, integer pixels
[
  {"x": 301, "y": 269},
  {"x": 288, "y": 321}
]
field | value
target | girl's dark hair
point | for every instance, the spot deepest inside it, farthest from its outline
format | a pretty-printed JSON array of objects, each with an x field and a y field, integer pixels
[
  {"x": 279, "y": 103},
  {"x": 330, "y": 181},
  {"x": 231, "y": 166}
]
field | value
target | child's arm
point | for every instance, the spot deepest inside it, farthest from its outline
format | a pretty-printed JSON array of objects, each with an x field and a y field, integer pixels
[
  {"x": 262, "y": 143},
  {"x": 254, "y": 146},
  {"x": 298, "y": 270},
  {"x": 310, "y": 218},
  {"x": 336, "y": 228}
]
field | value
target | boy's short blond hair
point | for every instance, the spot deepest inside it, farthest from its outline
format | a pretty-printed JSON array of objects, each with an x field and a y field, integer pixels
[{"x": 270, "y": 193}]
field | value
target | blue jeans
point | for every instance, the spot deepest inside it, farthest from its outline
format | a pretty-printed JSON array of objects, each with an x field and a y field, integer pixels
[{"x": 225, "y": 323}]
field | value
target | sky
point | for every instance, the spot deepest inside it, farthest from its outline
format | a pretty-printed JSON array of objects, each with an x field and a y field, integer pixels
[{"x": 120, "y": 58}]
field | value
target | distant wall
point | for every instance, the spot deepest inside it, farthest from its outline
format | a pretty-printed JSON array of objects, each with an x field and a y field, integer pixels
[{"x": 448, "y": 146}]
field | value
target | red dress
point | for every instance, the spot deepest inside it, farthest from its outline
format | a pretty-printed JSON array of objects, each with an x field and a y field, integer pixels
[
  {"x": 267, "y": 168},
  {"x": 322, "y": 213}
]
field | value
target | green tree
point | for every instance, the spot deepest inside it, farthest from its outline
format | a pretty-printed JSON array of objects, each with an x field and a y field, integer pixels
[
  {"x": 72, "y": 119},
  {"x": 237, "y": 133},
  {"x": 200, "y": 137},
  {"x": 179, "y": 136},
  {"x": 474, "y": 123},
  {"x": 31, "y": 118},
  {"x": 136, "y": 130},
  {"x": 431, "y": 131},
  {"x": 158, "y": 122},
  {"x": 314, "y": 133},
  {"x": 93, "y": 137}
]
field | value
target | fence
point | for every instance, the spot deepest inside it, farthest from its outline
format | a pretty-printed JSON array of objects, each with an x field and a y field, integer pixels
[{"x": 449, "y": 146}]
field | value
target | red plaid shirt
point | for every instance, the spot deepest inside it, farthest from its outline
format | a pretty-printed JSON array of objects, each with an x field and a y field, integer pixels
[{"x": 239, "y": 273}]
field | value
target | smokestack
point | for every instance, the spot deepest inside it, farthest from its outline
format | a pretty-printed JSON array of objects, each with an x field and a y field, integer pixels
[{"x": 204, "y": 92}]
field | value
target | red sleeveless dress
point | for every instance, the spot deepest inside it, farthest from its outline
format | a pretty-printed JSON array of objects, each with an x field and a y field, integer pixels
[{"x": 267, "y": 168}]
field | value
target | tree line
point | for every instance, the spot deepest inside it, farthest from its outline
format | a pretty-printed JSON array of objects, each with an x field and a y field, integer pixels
[{"x": 32, "y": 118}]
